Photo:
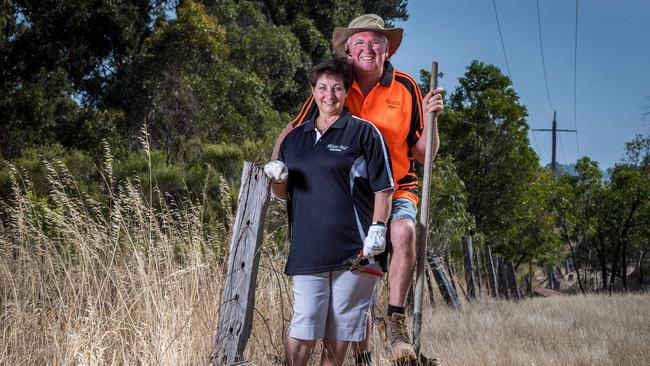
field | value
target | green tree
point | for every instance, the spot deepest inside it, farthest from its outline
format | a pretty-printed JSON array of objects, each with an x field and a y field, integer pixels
[
  {"x": 57, "y": 59},
  {"x": 577, "y": 203},
  {"x": 279, "y": 41},
  {"x": 627, "y": 197},
  {"x": 485, "y": 131},
  {"x": 183, "y": 87},
  {"x": 449, "y": 219},
  {"x": 609, "y": 218},
  {"x": 532, "y": 234}
]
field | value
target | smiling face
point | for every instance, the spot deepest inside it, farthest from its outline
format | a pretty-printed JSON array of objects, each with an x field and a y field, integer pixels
[
  {"x": 366, "y": 57},
  {"x": 329, "y": 93}
]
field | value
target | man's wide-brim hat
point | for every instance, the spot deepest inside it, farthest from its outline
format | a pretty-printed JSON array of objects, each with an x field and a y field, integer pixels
[{"x": 366, "y": 22}]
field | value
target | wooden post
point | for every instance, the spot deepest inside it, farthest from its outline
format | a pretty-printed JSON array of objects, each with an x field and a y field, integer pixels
[
  {"x": 531, "y": 277},
  {"x": 238, "y": 295},
  {"x": 427, "y": 275},
  {"x": 443, "y": 279},
  {"x": 503, "y": 284},
  {"x": 492, "y": 274},
  {"x": 566, "y": 265},
  {"x": 512, "y": 281},
  {"x": 451, "y": 271},
  {"x": 423, "y": 220},
  {"x": 477, "y": 272},
  {"x": 469, "y": 266}
]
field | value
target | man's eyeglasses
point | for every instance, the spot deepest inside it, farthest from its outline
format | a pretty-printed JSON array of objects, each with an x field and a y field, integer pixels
[{"x": 361, "y": 45}]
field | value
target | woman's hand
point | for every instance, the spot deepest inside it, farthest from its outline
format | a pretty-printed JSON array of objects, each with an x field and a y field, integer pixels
[
  {"x": 375, "y": 241},
  {"x": 277, "y": 171}
]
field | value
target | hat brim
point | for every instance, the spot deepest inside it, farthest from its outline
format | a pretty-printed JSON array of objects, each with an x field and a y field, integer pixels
[{"x": 341, "y": 35}]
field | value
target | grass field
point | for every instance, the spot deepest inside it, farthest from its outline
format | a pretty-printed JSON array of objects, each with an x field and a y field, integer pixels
[{"x": 84, "y": 283}]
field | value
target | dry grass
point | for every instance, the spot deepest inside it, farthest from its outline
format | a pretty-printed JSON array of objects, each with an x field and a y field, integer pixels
[
  {"x": 84, "y": 283},
  {"x": 572, "y": 330}
]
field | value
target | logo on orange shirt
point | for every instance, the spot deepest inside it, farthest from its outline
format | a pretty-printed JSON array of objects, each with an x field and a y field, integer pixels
[{"x": 393, "y": 103}]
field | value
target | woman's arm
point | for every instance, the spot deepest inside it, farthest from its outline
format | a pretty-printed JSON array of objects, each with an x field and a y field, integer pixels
[
  {"x": 280, "y": 190},
  {"x": 383, "y": 203}
]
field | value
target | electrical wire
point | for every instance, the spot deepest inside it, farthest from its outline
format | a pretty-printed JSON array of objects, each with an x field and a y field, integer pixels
[
  {"x": 503, "y": 46},
  {"x": 575, "y": 81},
  {"x": 535, "y": 139},
  {"x": 541, "y": 47}
]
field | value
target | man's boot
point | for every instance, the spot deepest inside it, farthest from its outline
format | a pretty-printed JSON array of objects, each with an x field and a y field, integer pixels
[{"x": 400, "y": 347}]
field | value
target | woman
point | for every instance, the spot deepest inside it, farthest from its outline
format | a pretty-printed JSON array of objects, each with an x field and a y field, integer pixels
[{"x": 339, "y": 189}]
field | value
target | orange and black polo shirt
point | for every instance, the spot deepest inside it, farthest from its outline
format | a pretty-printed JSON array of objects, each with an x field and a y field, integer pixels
[{"x": 394, "y": 105}]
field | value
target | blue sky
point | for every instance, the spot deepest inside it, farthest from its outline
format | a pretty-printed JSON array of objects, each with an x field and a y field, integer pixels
[{"x": 613, "y": 64}]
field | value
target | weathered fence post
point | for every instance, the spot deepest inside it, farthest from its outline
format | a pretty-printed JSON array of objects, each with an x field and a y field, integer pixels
[
  {"x": 512, "y": 281},
  {"x": 503, "y": 284},
  {"x": 238, "y": 295},
  {"x": 443, "y": 279},
  {"x": 477, "y": 272},
  {"x": 469, "y": 266},
  {"x": 492, "y": 276},
  {"x": 553, "y": 282},
  {"x": 531, "y": 277},
  {"x": 451, "y": 272},
  {"x": 566, "y": 266},
  {"x": 427, "y": 274}
]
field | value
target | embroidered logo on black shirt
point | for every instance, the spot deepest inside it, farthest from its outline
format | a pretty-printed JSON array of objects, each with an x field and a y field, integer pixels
[{"x": 338, "y": 148}]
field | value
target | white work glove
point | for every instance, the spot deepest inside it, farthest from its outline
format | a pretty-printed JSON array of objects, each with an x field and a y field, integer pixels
[
  {"x": 277, "y": 171},
  {"x": 375, "y": 241}
]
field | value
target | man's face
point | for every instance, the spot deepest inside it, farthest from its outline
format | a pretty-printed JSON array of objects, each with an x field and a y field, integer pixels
[{"x": 368, "y": 50}]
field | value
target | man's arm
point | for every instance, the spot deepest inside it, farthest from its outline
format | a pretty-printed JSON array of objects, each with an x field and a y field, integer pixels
[
  {"x": 432, "y": 102},
  {"x": 278, "y": 141},
  {"x": 308, "y": 108}
]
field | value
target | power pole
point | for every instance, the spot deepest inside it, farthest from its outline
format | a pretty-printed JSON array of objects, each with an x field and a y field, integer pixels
[{"x": 554, "y": 131}]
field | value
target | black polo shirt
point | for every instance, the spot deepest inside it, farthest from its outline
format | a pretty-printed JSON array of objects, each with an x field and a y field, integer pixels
[{"x": 332, "y": 182}]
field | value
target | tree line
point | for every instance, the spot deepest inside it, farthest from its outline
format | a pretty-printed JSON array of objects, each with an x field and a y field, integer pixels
[{"x": 179, "y": 93}]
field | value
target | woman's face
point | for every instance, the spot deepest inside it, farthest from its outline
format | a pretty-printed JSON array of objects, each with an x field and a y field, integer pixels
[{"x": 329, "y": 93}]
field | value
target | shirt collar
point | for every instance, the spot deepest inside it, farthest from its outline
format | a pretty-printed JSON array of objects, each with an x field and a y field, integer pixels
[
  {"x": 341, "y": 122},
  {"x": 387, "y": 77}
]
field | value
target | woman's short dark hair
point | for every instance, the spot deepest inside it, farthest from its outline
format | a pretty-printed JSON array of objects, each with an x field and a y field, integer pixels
[{"x": 334, "y": 67}]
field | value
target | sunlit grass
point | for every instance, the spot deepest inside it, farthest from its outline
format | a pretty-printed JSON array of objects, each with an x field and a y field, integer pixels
[{"x": 129, "y": 282}]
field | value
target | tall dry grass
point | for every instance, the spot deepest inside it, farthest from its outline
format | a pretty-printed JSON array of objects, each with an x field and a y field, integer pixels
[
  {"x": 570, "y": 330},
  {"x": 126, "y": 282},
  {"x": 90, "y": 283}
]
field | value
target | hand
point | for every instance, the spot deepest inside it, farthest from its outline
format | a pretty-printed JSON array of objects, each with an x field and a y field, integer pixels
[
  {"x": 277, "y": 171},
  {"x": 375, "y": 241},
  {"x": 433, "y": 102}
]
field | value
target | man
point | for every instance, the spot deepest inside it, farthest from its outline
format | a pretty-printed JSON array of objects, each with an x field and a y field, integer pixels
[{"x": 392, "y": 101}]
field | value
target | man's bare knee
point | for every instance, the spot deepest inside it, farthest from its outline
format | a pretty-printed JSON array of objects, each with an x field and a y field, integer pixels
[{"x": 403, "y": 237}]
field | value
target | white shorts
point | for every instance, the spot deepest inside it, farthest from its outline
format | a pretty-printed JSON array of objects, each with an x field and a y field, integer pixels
[{"x": 333, "y": 305}]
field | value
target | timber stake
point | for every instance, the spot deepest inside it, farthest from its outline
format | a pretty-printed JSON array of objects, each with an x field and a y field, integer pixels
[{"x": 423, "y": 224}]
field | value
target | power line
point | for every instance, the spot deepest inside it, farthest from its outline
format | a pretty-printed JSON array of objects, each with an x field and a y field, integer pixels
[
  {"x": 541, "y": 47},
  {"x": 575, "y": 81},
  {"x": 535, "y": 139},
  {"x": 503, "y": 46}
]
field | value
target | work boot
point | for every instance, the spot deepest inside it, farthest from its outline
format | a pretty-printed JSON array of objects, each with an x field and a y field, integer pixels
[{"x": 400, "y": 347}]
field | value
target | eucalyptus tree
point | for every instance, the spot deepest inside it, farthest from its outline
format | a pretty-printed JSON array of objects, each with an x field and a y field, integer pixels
[{"x": 485, "y": 130}]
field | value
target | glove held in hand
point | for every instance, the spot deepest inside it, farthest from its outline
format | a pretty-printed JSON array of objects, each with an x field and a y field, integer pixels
[
  {"x": 375, "y": 241},
  {"x": 277, "y": 171}
]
